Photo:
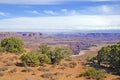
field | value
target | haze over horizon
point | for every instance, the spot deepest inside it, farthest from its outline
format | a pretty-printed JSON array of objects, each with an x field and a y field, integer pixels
[{"x": 59, "y": 15}]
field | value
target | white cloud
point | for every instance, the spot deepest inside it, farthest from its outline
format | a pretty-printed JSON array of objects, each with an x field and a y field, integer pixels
[
  {"x": 105, "y": 9},
  {"x": 3, "y": 14},
  {"x": 64, "y": 10},
  {"x": 49, "y": 12},
  {"x": 25, "y": 6},
  {"x": 82, "y": 22},
  {"x": 73, "y": 12},
  {"x": 34, "y": 12},
  {"x": 69, "y": 12},
  {"x": 101, "y": 9}
]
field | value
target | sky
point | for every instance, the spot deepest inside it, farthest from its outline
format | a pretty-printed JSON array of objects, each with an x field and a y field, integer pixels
[{"x": 59, "y": 15}]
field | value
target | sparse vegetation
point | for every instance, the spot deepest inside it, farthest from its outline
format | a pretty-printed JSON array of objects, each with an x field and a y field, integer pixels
[
  {"x": 64, "y": 64},
  {"x": 2, "y": 49},
  {"x": 47, "y": 75},
  {"x": 30, "y": 59},
  {"x": 12, "y": 45},
  {"x": 72, "y": 64},
  {"x": 43, "y": 58},
  {"x": 92, "y": 73},
  {"x": 89, "y": 58},
  {"x": 59, "y": 53},
  {"x": 57, "y": 73},
  {"x": 3, "y": 68},
  {"x": 39, "y": 57},
  {"x": 10, "y": 63},
  {"x": 13, "y": 70},
  {"x": 26, "y": 69},
  {"x": 41, "y": 68},
  {"x": 110, "y": 55},
  {"x": 68, "y": 59},
  {"x": 55, "y": 62}
]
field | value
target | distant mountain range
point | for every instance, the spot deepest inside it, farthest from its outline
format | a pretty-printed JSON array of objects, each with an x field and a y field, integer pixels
[
  {"x": 65, "y": 31},
  {"x": 77, "y": 41},
  {"x": 98, "y": 31}
]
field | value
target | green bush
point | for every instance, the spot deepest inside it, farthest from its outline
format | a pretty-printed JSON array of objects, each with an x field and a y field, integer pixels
[
  {"x": 12, "y": 45},
  {"x": 34, "y": 58},
  {"x": 43, "y": 58},
  {"x": 30, "y": 59},
  {"x": 110, "y": 55},
  {"x": 59, "y": 53},
  {"x": 44, "y": 49},
  {"x": 93, "y": 73},
  {"x": 26, "y": 69},
  {"x": 2, "y": 49},
  {"x": 39, "y": 57}
]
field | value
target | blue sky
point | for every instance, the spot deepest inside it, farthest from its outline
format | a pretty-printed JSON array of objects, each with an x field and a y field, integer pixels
[{"x": 59, "y": 15}]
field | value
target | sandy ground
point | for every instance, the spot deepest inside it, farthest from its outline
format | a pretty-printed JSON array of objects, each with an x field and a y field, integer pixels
[{"x": 65, "y": 73}]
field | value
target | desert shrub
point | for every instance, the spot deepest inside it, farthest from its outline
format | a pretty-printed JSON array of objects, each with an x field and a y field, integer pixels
[
  {"x": 59, "y": 53},
  {"x": 89, "y": 58},
  {"x": 41, "y": 68},
  {"x": 57, "y": 73},
  {"x": 39, "y": 57},
  {"x": 64, "y": 64},
  {"x": 2, "y": 49},
  {"x": 44, "y": 49},
  {"x": 1, "y": 74},
  {"x": 110, "y": 55},
  {"x": 43, "y": 58},
  {"x": 3, "y": 68},
  {"x": 47, "y": 75},
  {"x": 15, "y": 58},
  {"x": 10, "y": 63},
  {"x": 68, "y": 59},
  {"x": 93, "y": 73},
  {"x": 34, "y": 58},
  {"x": 13, "y": 70},
  {"x": 26, "y": 69},
  {"x": 30, "y": 59},
  {"x": 12, "y": 45},
  {"x": 72, "y": 64}
]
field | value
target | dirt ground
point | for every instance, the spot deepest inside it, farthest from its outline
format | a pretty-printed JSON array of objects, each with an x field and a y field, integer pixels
[{"x": 63, "y": 71}]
